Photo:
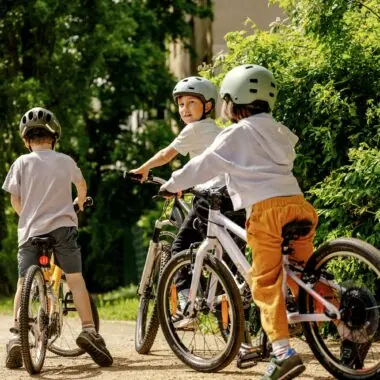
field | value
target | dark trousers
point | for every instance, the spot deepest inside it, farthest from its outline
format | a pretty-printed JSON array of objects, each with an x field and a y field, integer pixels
[{"x": 187, "y": 235}]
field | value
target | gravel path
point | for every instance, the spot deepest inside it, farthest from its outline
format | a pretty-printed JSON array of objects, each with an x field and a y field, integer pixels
[{"x": 161, "y": 364}]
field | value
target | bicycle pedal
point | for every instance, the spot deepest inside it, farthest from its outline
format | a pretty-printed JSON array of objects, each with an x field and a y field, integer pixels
[{"x": 245, "y": 364}]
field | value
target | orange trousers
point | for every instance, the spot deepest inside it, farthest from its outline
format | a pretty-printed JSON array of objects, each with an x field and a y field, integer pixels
[{"x": 264, "y": 229}]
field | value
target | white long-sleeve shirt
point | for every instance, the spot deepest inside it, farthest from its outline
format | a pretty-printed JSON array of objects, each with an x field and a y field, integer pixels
[{"x": 256, "y": 155}]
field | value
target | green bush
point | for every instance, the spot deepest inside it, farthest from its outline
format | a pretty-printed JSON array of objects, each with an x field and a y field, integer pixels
[
  {"x": 325, "y": 57},
  {"x": 348, "y": 199}
]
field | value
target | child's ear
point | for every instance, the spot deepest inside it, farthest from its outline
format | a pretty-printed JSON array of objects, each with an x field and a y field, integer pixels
[{"x": 208, "y": 107}]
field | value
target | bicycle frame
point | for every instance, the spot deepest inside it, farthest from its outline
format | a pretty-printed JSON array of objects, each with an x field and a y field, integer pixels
[
  {"x": 180, "y": 206},
  {"x": 219, "y": 238}
]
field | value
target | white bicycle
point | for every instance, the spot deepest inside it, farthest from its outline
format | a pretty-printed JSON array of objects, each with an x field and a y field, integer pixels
[
  {"x": 158, "y": 255},
  {"x": 338, "y": 302}
]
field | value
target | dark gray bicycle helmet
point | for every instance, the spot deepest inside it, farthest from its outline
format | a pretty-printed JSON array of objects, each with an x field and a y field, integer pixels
[{"x": 39, "y": 117}]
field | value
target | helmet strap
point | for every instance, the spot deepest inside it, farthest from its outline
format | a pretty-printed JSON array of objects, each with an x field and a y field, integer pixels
[{"x": 204, "y": 115}]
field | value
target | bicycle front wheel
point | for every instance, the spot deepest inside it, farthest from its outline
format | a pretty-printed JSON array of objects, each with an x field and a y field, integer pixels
[
  {"x": 147, "y": 317},
  {"x": 203, "y": 344},
  {"x": 348, "y": 273},
  {"x": 33, "y": 320},
  {"x": 66, "y": 325}
]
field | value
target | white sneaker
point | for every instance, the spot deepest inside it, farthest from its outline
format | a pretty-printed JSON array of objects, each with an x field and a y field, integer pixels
[{"x": 180, "y": 322}]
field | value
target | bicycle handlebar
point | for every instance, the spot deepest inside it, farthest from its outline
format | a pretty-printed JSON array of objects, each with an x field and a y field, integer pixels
[
  {"x": 87, "y": 203},
  {"x": 151, "y": 179}
]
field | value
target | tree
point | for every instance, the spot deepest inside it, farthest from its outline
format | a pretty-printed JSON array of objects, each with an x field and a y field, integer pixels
[
  {"x": 67, "y": 56},
  {"x": 326, "y": 59}
]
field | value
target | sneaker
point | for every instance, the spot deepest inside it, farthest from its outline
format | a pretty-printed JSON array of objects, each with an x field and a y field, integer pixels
[
  {"x": 14, "y": 357},
  {"x": 180, "y": 322},
  {"x": 352, "y": 354},
  {"x": 95, "y": 346},
  {"x": 284, "y": 369}
]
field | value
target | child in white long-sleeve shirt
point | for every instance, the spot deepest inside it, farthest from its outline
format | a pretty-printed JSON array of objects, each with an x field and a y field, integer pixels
[{"x": 257, "y": 155}]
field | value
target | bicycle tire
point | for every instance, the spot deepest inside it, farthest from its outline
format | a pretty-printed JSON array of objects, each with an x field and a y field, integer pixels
[
  {"x": 147, "y": 327},
  {"x": 187, "y": 356},
  {"x": 357, "y": 249},
  {"x": 72, "y": 349},
  {"x": 32, "y": 326}
]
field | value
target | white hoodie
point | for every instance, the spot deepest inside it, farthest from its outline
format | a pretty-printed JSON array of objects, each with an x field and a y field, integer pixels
[{"x": 256, "y": 156}]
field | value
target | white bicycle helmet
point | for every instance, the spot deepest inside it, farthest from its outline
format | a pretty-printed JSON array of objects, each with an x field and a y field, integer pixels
[
  {"x": 247, "y": 83},
  {"x": 196, "y": 86},
  {"x": 40, "y": 118}
]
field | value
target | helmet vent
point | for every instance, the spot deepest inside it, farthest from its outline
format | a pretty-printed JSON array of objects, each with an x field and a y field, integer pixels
[
  {"x": 185, "y": 80},
  {"x": 253, "y": 90},
  {"x": 30, "y": 115},
  {"x": 253, "y": 80},
  {"x": 272, "y": 84},
  {"x": 40, "y": 114},
  {"x": 191, "y": 88},
  {"x": 197, "y": 78},
  {"x": 271, "y": 94},
  {"x": 48, "y": 117},
  {"x": 248, "y": 67},
  {"x": 24, "y": 120}
]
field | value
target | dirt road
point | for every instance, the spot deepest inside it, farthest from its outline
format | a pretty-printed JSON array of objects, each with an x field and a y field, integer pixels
[{"x": 161, "y": 364}]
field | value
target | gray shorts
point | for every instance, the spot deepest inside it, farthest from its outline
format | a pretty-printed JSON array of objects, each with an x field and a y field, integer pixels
[{"x": 66, "y": 251}]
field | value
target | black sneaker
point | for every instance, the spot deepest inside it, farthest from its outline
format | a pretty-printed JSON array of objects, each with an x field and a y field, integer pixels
[
  {"x": 14, "y": 357},
  {"x": 95, "y": 346},
  {"x": 352, "y": 354}
]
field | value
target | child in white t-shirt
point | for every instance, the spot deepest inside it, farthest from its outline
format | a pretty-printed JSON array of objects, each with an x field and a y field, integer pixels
[{"x": 196, "y": 98}]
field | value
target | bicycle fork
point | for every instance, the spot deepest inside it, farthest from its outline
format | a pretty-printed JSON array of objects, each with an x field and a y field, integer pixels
[{"x": 150, "y": 258}]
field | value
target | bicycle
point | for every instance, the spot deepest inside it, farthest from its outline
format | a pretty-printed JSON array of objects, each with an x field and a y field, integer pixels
[
  {"x": 334, "y": 307},
  {"x": 158, "y": 255},
  {"x": 45, "y": 309}
]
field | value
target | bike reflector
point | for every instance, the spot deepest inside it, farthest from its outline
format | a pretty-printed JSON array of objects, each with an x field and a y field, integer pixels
[
  {"x": 44, "y": 260},
  {"x": 173, "y": 298},
  {"x": 224, "y": 313}
]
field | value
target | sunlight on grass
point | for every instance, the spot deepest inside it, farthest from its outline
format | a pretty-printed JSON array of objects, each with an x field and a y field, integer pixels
[
  {"x": 6, "y": 305},
  {"x": 122, "y": 310},
  {"x": 119, "y": 305}
]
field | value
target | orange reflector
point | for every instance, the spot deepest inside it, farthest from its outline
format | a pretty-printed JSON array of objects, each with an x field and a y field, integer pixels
[
  {"x": 44, "y": 260},
  {"x": 224, "y": 312},
  {"x": 173, "y": 298}
]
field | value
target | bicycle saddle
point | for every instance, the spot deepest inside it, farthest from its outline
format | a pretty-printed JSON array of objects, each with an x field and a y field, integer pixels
[
  {"x": 292, "y": 231},
  {"x": 296, "y": 228},
  {"x": 46, "y": 241}
]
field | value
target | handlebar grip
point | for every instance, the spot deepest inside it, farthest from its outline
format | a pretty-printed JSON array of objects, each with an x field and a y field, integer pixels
[
  {"x": 132, "y": 176},
  {"x": 165, "y": 193},
  {"x": 87, "y": 203}
]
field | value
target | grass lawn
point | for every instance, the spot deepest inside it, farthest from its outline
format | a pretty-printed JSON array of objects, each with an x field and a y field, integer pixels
[
  {"x": 6, "y": 305},
  {"x": 111, "y": 308},
  {"x": 121, "y": 310}
]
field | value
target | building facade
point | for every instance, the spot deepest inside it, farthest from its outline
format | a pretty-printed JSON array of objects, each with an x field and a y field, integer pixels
[{"x": 208, "y": 35}]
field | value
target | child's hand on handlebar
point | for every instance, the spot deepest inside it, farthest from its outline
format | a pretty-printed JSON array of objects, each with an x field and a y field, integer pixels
[
  {"x": 80, "y": 202},
  {"x": 167, "y": 194},
  {"x": 144, "y": 172}
]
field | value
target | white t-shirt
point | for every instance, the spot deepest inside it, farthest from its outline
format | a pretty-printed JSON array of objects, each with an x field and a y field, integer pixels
[
  {"x": 193, "y": 140},
  {"x": 42, "y": 180},
  {"x": 256, "y": 155},
  {"x": 196, "y": 137}
]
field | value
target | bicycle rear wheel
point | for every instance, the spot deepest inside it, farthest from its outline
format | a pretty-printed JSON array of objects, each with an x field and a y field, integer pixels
[
  {"x": 349, "y": 277},
  {"x": 33, "y": 320},
  {"x": 67, "y": 325},
  {"x": 204, "y": 346},
  {"x": 147, "y": 317}
]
